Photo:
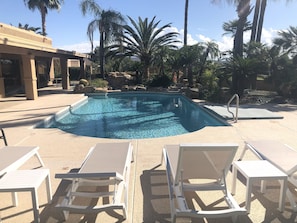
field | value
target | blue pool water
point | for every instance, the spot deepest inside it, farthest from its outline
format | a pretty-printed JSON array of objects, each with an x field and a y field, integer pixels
[{"x": 135, "y": 116}]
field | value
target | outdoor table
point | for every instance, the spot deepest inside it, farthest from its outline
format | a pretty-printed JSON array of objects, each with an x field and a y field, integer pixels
[{"x": 259, "y": 170}]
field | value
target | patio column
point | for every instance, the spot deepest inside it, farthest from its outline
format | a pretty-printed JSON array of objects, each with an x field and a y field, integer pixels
[
  {"x": 65, "y": 74},
  {"x": 2, "y": 87},
  {"x": 30, "y": 80},
  {"x": 82, "y": 68},
  {"x": 51, "y": 71}
]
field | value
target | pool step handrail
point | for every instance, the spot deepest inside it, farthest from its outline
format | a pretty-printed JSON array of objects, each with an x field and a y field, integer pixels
[
  {"x": 3, "y": 136},
  {"x": 235, "y": 117}
]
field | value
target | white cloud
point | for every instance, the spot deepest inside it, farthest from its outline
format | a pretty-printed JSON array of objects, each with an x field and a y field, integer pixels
[
  {"x": 83, "y": 47},
  {"x": 225, "y": 43},
  {"x": 268, "y": 36},
  {"x": 191, "y": 40},
  {"x": 204, "y": 38}
]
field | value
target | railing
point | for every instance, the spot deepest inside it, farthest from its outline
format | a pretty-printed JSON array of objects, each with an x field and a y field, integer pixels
[
  {"x": 235, "y": 117},
  {"x": 3, "y": 136}
]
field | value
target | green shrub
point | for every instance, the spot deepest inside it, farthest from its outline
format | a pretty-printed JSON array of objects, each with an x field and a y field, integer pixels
[
  {"x": 160, "y": 81},
  {"x": 99, "y": 82},
  {"x": 289, "y": 89}
]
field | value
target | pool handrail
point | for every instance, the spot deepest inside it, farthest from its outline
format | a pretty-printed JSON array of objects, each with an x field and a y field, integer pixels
[{"x": 235, "y": 117}]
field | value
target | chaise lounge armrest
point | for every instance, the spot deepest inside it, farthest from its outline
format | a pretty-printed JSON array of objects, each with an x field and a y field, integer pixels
[{"x": 89, "y": 175}]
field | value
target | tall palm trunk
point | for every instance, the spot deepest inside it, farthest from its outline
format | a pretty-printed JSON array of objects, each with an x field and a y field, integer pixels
[
  {"x": 255, "y": 21},
  {"x": 243, "y": 10},
  {"x": 237, "y": 52},
  {"x": 146, "y": 72},
  {"x": 258, "y": 20},
  {"x": 43, "y": 14},
  {"x": 101, "y": 54},
  {"x": 186, "y": 68},
  {"x": 261, "y": 20},
  {"x": 186, "y": 22},
  {"x": 203, "y": 64}
]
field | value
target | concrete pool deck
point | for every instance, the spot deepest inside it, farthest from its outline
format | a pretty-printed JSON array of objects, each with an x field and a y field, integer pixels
[{"x": 148, "y": 195}]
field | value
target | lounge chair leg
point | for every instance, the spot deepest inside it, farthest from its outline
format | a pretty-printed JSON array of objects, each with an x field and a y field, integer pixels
[
  {"x": 48, "y": 189},
  {"x": 124, "y": 213},
  {"x": 35, "y": 205},
  {"x": 291, "y": 199},
  {"x": 14, "y": 198},
  {"x": 235, "y": 219},
  {"x": 65, "y": 215}
]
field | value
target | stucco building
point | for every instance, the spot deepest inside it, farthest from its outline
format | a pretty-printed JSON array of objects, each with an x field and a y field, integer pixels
[{"x": 27, "y": 62}]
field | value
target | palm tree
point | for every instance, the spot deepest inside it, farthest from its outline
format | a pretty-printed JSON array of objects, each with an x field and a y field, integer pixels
[
  {"x": 231, "y": 27},
  {"x": 107, "y": 22},
  {"x": 287, "y": 40},
  {"x": 188, "y": 59},
  {"x": 144, "y": 40},
  {"x": 258, "y": 20},
  {"x": 186, "y": 22},
  {"x": 255, "y": 26},
  {"x": 186, "y": 69},
  {"x": 243, "y": 9},
  {"x": 212, "y": 51},
  {"x": 42, "y": 6},
  {"x": 29, "y": 28}
]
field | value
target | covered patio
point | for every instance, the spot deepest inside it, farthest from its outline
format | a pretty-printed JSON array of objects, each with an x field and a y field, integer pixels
[{"x": 27, "y": 62}]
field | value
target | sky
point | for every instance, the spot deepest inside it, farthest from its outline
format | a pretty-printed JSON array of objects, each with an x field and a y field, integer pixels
[{"x": 68, "y": 27}]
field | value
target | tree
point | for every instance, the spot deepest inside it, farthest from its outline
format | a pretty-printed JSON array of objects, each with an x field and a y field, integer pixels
[
  {"x": 107, "y": 22},
  {"x": 212, "y": 51},
  {"x": 143, "y": 40},
  {"x": 258, "y": 56},
  {"x": 231, "y": 27},
  {"x": 186, "y": 22},
  {"x": 190, "y": 58},
  {"x": 287, "y": 40},
  {"x": 243, "y": 9},
  {"x": 29, "y": 28},
  {"x": 42, "y": 6},
  {"x": 258, "y": 20}
]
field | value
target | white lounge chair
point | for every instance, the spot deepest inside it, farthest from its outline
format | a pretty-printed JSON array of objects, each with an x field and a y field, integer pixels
[
  {"x": 199, "y": 167},
  {"x": 107, "y": 164},
  {"x": 13, "y": 157},
  {"x": 280, "y": 155}
]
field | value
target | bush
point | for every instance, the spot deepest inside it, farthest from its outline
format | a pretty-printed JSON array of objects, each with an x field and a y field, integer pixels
[
  {"x": 289, "y": 89},
  {"x": 99, "y": 82},
  {"x": 160, "y": 81}
]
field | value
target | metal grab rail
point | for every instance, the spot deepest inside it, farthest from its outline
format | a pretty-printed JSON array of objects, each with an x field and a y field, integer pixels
[
  {"x": 3, "y": 136},
  {"x": 235, "y": 118}
]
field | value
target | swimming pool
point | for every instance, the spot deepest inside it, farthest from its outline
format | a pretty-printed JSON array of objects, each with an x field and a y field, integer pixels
[{"x": 134, "y": 116}]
